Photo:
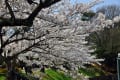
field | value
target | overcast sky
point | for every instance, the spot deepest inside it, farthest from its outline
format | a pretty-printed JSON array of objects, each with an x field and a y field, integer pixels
[{"x": 106, "y": 2}]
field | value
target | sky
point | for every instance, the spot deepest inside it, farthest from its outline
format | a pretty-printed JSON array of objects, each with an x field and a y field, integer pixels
[{"x": 105, "y": 2}]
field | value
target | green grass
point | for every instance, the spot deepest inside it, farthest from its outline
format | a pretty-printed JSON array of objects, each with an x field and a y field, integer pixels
[
  {"x": 2, "y": 76},
  {"x": 49, "y": 75},
  {"x": 55, "y": 75}
]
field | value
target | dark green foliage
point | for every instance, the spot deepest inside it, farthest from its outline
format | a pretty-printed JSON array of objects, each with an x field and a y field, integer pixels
[
  {"x": 108, "y": 77},
  {"x": 106, "y": 44},
  {"x": 91, "y": 72},
  {"x": 87, "y": 16}
]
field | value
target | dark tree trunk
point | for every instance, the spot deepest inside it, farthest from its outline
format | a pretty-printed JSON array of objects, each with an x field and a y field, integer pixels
[{"x": 11, "y": 70}]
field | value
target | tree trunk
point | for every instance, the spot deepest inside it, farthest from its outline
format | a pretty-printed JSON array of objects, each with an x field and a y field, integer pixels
[{"x": 11, "y": 70}]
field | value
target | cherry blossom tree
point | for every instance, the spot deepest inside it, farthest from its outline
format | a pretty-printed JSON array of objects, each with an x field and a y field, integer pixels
[
  {"x": 14, "y": 27},
  {"x": 53, "y": 36}
]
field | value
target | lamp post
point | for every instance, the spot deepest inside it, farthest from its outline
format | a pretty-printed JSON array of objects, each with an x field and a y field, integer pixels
[{"x": 118, "y": 66}]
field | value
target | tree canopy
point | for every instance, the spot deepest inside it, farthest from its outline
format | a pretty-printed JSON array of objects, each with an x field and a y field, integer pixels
[{"x": 38, "y": 32}]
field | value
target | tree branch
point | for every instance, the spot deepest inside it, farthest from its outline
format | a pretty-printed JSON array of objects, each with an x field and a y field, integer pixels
[
  {"x": 27, "y": 21},
  {"x": 23, "y": 39},
  {"x": 10, "y": 10},
  {"x": 18, "y": 22},
  {"x": 20, "y": 39},
  {"x": 46, "y": 4},
  {"x": 23, "y": 51}
]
